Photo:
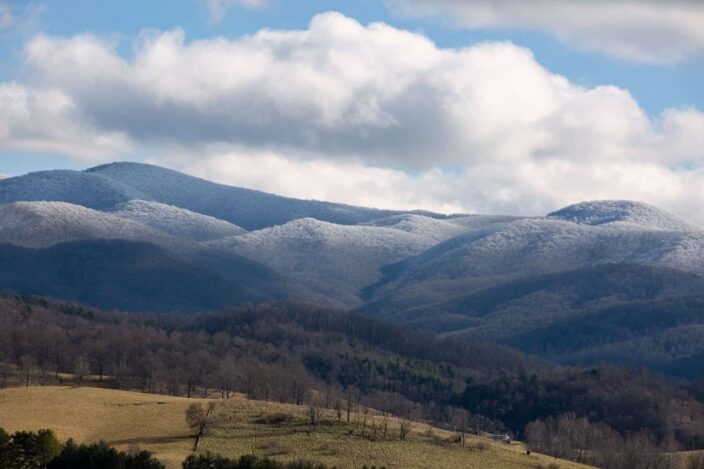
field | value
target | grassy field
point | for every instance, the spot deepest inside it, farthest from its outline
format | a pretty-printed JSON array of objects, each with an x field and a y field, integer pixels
[
  {"x": 121, "y": 418},
  {"x": 246, "y": 427},
  {"x": 281, "y": 431}
]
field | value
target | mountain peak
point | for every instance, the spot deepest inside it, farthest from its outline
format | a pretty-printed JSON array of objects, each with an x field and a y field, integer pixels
[{"x": 622, "y": 213}]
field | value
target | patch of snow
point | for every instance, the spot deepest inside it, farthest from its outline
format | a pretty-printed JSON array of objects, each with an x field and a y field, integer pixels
[
  {"x": 545, "y": 245},
  {"x": 331, "y": 259},
  {"x": 75, "y": 187},
  {"x": 42, "y": 224},
  {"x": 177, "y": 221},
  {"x": 622, "y": 213}
]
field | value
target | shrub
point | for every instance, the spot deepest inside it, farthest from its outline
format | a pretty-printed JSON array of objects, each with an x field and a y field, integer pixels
[
  {"x": 103, "y": 456},
  {"x": 210, "y": 461},
  {"x": 276, "y": 418}
]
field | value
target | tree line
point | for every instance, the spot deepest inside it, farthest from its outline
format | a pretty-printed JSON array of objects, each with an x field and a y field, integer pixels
[
  {"x": 42, "y": 450},
  {"x": 291, "y": 352}
]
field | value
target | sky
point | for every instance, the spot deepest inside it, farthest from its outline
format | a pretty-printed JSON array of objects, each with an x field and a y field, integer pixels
[{"x": 479, "y": 106}]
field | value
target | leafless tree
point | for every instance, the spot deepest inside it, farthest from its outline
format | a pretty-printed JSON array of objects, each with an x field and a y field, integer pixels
[
  {"x": 199, "y": 419},
  {"x": 460, "y": 422},
  {"x": 315, "y": 413},
  {"x": 404, "y": 428}
]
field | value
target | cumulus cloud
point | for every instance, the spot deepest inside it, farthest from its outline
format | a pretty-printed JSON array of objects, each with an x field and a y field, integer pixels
[
  {"x": 46, "y": 120},
  {"x": 359, "y": 114},
  {"x": 642, "y": 30}
]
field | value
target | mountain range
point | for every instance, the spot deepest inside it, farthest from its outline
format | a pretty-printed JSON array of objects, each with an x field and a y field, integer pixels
[{"x": 594, "y": 281}]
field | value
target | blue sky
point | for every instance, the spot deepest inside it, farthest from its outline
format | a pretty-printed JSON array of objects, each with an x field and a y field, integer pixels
[{"x": 657, "y": 85}]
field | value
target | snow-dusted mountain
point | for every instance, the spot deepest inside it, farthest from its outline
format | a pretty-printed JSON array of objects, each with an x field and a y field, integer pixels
[
  {"x": 41, "y": 224},
  {"x": 438, "y": 229},
  {"x": 247, "y": 208},
  {"x": 88, "y": 190},
  {"x": 508, "y": 250},
  {"x": 176, "y": 221},
  {"x": 333, "y": 260},
  {"x": 104, "y": 187},
  {"x": 622, "y": 213},
  {"x": 601, "y": 280},
  {"x": 337, "y": 253}
]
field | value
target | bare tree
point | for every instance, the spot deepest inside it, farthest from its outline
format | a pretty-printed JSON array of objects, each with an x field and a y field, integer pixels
[
  {"x": 404, "y": 429},
  {"x": 460, "y": 421},
  {"x": 81, "y": 368},
  {"x": 28, "y": 364},
  {"x": 199, "y": 419},
  {"x": 315, "y": 413}
]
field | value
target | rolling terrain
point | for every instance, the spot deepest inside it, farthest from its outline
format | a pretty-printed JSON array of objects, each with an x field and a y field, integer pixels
[
  {"x": 134, "y": 276},
  {"x": 539, "y": 284},
  {"x": 157, "y": 423}
]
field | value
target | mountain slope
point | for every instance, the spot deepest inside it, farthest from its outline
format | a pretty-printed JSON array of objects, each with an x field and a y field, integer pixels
[
  {"x": 656, "y": 334},
  {"x": 132, "y": 276},
  {"x": 41, "y": 224},
  {"x": 509, "y": 250},
  {"x": 624, "y": 213},
  {"x": 247, "y": 208},
  {"x": 438, "y": 229},
  {"x": 176, "y": 221},
  {"x": 518, "y": 306},
  {"x": 88, "y": 190},
  {"x": 333, "y": 260}
]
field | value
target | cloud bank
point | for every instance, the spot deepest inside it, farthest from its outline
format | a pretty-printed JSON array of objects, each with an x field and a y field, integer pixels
[
  {"x": 642, "y": 30},
  {"x": 361, "y": 114}
]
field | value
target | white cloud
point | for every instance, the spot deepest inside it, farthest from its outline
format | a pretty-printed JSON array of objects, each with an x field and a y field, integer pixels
[
  {"x": 359, "y": 114},
  {"x": 46, "y": 121},
  {"x": 217, "y": 9},
  {"x": 642, "y": 30}
]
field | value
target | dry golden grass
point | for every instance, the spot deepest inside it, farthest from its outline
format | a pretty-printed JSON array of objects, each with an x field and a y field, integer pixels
[
  {"x": 121, "y": 418},
  {"x": 157, "y": 423},
  {"x": 239, "y": 430}
]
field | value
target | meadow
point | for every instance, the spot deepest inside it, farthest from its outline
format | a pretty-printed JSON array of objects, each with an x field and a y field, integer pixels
[{"x": 128, "y": 420}]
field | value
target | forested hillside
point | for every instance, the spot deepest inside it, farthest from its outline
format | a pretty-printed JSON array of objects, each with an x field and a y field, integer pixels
[{"x": 284, "y": 351}]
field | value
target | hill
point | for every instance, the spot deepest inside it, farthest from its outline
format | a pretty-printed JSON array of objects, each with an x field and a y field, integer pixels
[
  {"x": 296, "y": 353},
  {"x": 243, "y": 426},
  {"x": 43, "y": 224},
  {"x": 75, "y": 187},
  {"x": 176, "y": 221},
  {"x": 333, "y": 260},
  {"x": 622, "y": 213},
  {"x": 121, "y": 418},
  {"x": 532, "y": 282},
  {"x": 631, "y": 315},
  {"x": 510, "y": 250},
  {"x": 106, "y": 186},
  {"x": 135, "y": 276},
  {"x": 247, "y": 208}
]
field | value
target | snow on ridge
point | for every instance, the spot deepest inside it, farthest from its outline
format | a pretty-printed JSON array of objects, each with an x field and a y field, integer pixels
[
  {"x": 622, "y": 213},
  {"x": 76, "y": 187},
  {"x": 42, "y": 224},
  {"x": 437, "y": 229},
  {"x": 177, "y": 221},
  {"x": 545, "y": 245},
  {"x": 335, "y": 260}
]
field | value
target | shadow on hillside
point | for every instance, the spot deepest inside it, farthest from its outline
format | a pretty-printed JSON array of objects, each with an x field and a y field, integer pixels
[{"x": 150, "y": 440}]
